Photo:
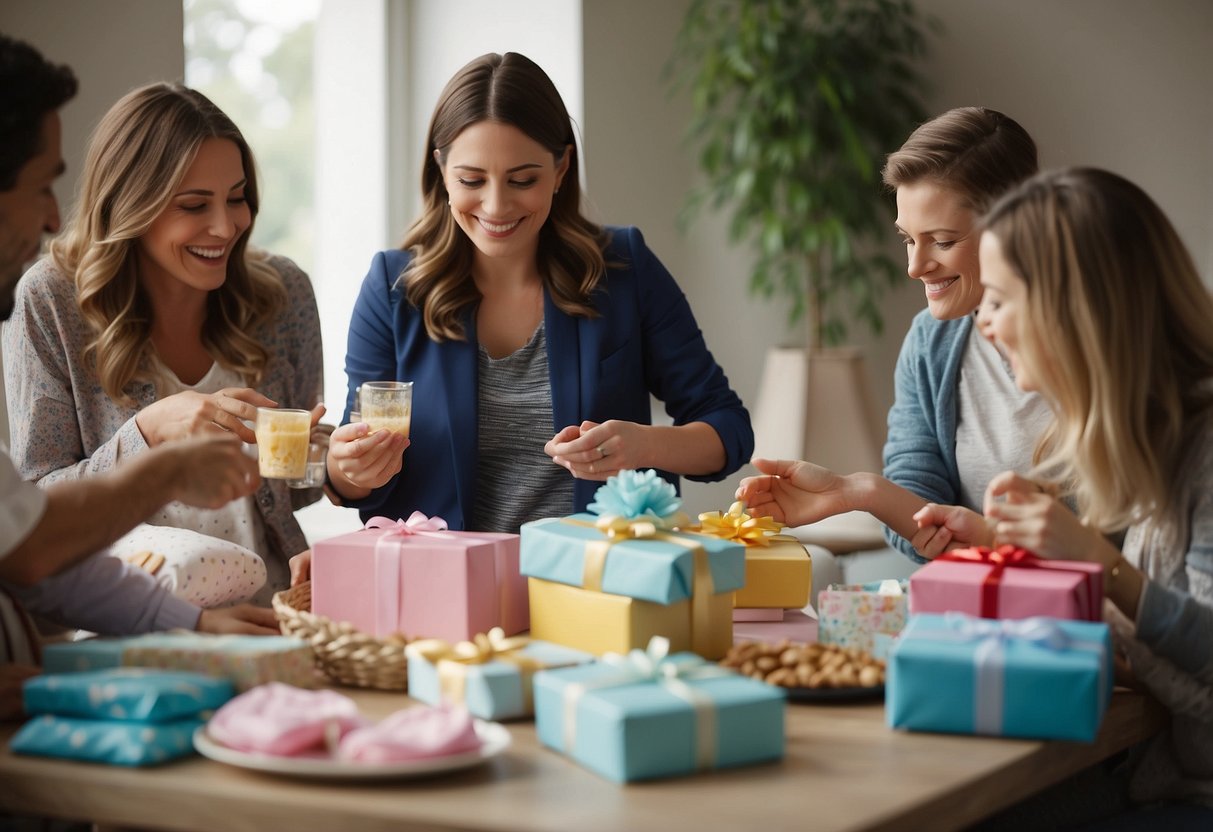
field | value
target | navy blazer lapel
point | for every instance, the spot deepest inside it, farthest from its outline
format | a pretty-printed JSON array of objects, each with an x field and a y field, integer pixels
[
  {"x": 564, "y": 364},
  {"x": 460, "y": 376}
]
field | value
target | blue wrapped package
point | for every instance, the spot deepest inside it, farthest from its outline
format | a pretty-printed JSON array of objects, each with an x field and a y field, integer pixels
[
  {"x": 646, "y": 715},
  {"x": 1038, "y": 678},
  {"x": 630, "y": 545},
  {"x": 128, "y": 694},
  {"x": 106, "y": 741},
  {"x": 491, "y": 675}
]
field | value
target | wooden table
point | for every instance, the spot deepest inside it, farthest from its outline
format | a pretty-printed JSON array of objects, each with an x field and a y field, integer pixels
[{"x": 844, "y": 770}]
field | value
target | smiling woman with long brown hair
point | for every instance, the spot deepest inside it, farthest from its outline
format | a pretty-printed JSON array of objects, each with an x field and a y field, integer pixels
[{"x": 152, "y": 319}]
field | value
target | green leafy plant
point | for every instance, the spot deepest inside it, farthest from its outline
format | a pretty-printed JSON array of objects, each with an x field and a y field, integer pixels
[{"x": 796, "y": 103}]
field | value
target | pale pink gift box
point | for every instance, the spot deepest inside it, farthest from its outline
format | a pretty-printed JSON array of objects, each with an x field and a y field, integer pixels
[
  {"x": 1008, "y": 583},
  {"x": 418, "y": 578}
]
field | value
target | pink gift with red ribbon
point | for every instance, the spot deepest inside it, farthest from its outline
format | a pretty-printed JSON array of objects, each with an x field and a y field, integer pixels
[
  {"x": 421, "y": 579},
  {"x": 1008, "y": 582}
]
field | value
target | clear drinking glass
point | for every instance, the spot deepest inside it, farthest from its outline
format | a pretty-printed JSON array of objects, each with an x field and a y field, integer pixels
[
  {"x": 387, "y": 405},
  {"x": 283, "y": 436}
]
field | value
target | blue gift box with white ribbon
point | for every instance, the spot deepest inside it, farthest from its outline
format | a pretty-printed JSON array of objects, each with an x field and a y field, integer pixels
[
  {"x": 1038, "y": 678},
  {"x": 647, "y": 715}
]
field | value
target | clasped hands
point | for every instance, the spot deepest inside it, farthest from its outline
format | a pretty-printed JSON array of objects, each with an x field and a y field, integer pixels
[{"x": 596, "y": 451}]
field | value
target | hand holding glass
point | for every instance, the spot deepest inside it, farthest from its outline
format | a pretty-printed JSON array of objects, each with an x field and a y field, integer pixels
[{"x": 387, "y": 405}]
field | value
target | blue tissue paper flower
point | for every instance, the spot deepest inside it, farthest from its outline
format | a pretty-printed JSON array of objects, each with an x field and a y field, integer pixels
[{"x": 634, "y": 494}]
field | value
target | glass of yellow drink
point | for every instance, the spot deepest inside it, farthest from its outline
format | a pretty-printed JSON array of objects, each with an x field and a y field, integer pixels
[
  {"x": 283, "y": 436},
  {"x": 387, "y": 405}
]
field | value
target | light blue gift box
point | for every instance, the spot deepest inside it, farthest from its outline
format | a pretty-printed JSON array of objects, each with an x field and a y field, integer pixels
[
  {"x": 246, "y": 660},
  {"x": 106, "y": 741},
  {"x": 495, "y": 689},
  {"x": 1038, "y": 678},
  {"x": 649, "y": 569},
  {"x": 627, "y": 729},
  {"x": 127, "y": 694}
]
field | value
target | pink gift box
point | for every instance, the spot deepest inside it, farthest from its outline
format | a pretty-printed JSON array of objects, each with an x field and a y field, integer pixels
[
  {"x": 419, "y": 579},
  {"x": 1008, "y": 583}
]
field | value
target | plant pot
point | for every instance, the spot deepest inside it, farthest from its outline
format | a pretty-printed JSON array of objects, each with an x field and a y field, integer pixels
[{"x": 819, "y": 409}]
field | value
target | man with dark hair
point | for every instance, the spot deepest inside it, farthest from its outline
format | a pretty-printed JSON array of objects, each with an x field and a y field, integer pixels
[
  {"x": 48, "y": 537},
  {"x": 31, "y": 93}
]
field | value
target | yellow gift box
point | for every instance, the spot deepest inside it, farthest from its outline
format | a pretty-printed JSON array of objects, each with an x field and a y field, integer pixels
[
  {"x": 777, "y": 575},
  {"x": 600, "y": 623}
]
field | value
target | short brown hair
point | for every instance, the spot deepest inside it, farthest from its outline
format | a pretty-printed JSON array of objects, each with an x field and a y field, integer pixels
[{"x": 975, "y": 152}]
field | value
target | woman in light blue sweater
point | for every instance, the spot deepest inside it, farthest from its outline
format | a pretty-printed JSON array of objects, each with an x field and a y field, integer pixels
[{"x": 958, "y": 419}]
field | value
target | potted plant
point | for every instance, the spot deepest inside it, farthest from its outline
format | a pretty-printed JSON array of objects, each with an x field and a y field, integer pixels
[{"x": 795, "y": 105}]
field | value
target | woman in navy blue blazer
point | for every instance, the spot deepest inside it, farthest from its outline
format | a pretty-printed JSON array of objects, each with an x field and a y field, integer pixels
[{"x": 534, "y": 338}]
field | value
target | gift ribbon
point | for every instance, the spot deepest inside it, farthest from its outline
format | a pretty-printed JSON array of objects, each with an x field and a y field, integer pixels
[
  {"x": 452, "y": 661},
  {"x": 990, "y": 658},
  {"x": 738, "y": 526},
  {"x": 617, "y": 529},
  {"x": 1000, "y": 560},
  {"x": 653, "y": 666},
  {"x": 387, "y": 561}
]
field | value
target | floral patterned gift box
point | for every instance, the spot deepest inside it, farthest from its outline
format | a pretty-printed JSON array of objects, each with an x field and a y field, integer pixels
[{"x": 852, "y": 615}]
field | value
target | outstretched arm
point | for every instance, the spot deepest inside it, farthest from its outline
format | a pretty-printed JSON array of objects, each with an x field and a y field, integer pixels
[{"x": 84, "y": 516}]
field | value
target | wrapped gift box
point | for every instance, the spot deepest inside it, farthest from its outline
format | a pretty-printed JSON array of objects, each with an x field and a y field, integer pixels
[
  {"x": 247, "y": 661},
  {"x": 600, "y": 623},
  {"x": 1008, "y": 583},
  {"x": 131, "y": 694},
  {"x": 491, "y": 675},
  {"x": 421, "y": 580},
  {"x": 793, "y": 626},
  {"x": 1038, "y": 678},
  {"x": 106, "y": 741},
  {"x": 851, "y": 615},
  {"x": 777, "y": 575},
  {"x": 626, "y": 719},
  {"x": 663, "y": 568}
]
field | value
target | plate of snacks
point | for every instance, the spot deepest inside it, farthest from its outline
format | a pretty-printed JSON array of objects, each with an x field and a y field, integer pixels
[{"x": 810, "y": 672}]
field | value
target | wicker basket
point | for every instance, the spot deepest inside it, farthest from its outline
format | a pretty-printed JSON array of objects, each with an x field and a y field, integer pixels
[{"x": 345, "y": 654}]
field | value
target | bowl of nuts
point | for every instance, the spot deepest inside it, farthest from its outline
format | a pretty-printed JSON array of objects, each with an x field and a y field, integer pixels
[{"x": 810, "y": 672}]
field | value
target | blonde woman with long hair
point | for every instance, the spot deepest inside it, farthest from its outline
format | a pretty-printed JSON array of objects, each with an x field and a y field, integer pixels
[
  {"x": 534, "y": 337},
  {"x": 152, "y": 320},
  {"x": 1099, "y": 307}
]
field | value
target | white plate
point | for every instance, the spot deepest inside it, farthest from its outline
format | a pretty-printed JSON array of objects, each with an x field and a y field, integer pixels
[{"x": 494, "y": 739}]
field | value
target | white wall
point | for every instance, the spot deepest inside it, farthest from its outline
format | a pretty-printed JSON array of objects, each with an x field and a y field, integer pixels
[
  {"x": 1117, "y": 83},
  {"x": 110, "y": 53}
]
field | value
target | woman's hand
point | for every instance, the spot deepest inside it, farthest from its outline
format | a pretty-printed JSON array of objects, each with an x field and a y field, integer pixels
[
  {"x": 191, "y": 414},
  {"x": 794, "y": 493},
  {"x": 942, "y": 528},
  {"x": 301, "y": 567},
  {"x": 1021, "y": 512},
  {"x": 242, "y": 619},
  {"x": 360, "y": 461},
  {"x": 593, "y": 451}
]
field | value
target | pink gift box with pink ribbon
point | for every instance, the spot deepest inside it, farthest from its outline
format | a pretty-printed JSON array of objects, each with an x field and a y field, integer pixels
[{"x": 421, "y": 579}]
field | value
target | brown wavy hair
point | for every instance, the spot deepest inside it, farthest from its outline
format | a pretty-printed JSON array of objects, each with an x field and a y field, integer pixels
[
  {"x": 975, "y": 152},
  {"x": 509, "y": 89},
  {"x": 1117, "y": 330},
  {"x": 137, "y": 157}
]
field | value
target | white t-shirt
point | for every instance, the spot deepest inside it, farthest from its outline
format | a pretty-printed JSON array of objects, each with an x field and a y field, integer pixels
[
  {"x": 22, "y": 505},
  {"x": 997, "y": 424}
]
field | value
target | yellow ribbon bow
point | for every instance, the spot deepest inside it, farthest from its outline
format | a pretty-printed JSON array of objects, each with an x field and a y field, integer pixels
[
  {"x": 618, "y": 527},
  {"x": 452, "y": 660},
  {"x": 735, "y": 524}
]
